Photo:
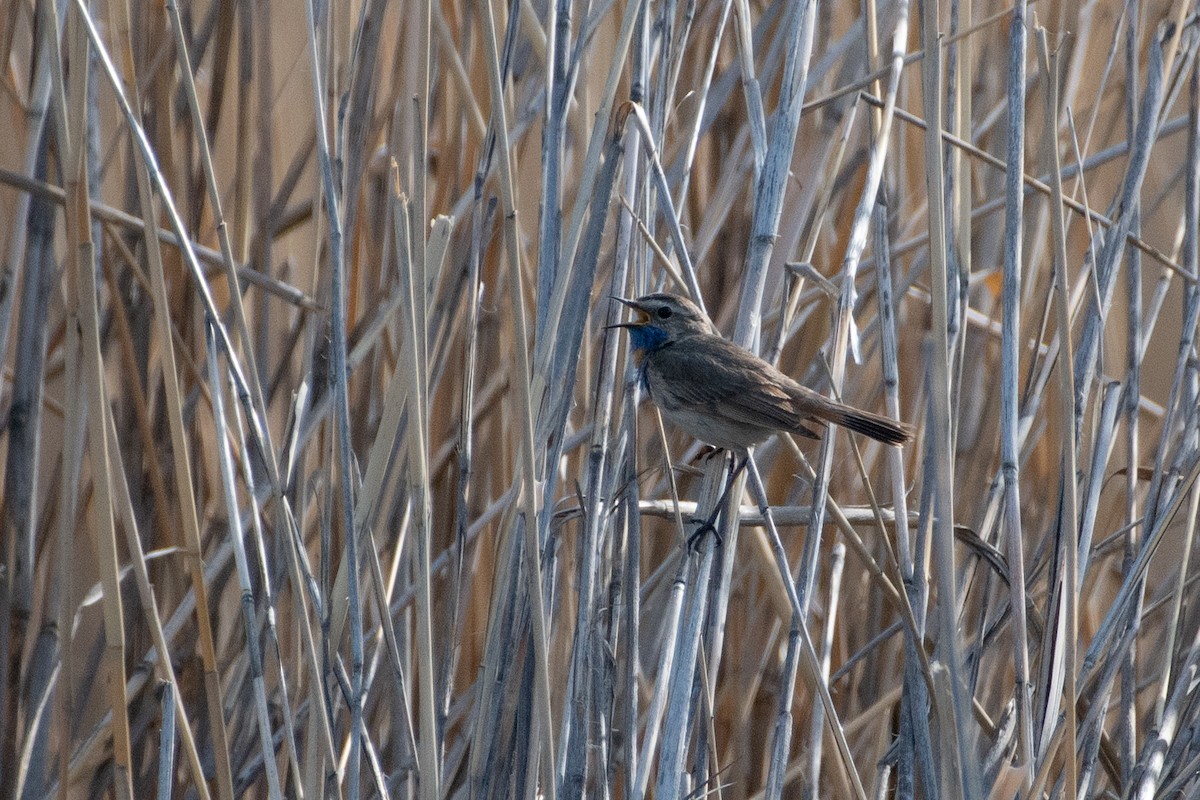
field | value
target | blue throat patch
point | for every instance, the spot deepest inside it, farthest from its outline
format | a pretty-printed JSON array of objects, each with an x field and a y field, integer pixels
[{"x": 647, "y": 337}]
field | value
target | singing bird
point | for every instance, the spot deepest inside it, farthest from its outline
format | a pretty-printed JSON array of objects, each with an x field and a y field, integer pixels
[{"x": 723, "y": 394}]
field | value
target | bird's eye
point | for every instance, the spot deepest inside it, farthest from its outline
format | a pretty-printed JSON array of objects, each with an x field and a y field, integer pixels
[{"x": 665, "y": 312}]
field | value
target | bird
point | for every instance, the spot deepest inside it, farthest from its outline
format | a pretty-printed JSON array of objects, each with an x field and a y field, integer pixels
[{"x": 724, "y": 395}]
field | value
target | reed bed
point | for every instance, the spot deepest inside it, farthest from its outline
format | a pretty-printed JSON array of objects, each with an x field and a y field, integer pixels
[{"x": 323, "y": 476}]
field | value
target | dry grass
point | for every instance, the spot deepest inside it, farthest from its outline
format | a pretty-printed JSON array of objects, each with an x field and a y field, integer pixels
[{"x": 335, "y": 485}]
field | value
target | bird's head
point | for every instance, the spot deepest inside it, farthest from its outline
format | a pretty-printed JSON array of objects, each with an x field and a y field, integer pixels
[{"x": 663, "y": 318}]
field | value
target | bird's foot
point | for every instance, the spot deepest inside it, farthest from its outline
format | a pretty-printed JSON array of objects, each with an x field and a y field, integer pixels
[{"x": 706, "y": 527}]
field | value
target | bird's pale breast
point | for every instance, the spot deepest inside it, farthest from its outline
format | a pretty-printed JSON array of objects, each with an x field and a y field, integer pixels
[{"x": 701, "y": 386}]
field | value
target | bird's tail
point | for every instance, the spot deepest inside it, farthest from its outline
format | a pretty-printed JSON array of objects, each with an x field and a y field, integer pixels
[{"x": 879, "y": 428}]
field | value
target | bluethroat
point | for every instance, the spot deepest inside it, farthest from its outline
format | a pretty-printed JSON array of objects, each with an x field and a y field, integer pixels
[{"x": 723, "y": 394}]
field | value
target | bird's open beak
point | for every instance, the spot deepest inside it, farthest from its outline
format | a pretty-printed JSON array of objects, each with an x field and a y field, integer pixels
[{"x": 642, "y": 317}]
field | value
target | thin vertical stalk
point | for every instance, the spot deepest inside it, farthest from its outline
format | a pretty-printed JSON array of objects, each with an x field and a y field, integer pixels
[
  {"x": 558, "y": 45},
  {"x": 254, "y": 657},
  {"x": 915, "y": 735},
  {"x": 68, "y": 510},
  {"x": 1067, "y": 601},
  {"x": 166, "y": 739},
  {"x": 1127, "y": 723},
  {"x": 576, "y": 725},
  {"x": 837, "y": 562},
  {"x": 951, "y": 697},
  {"x": 419, "y": 490},
  {"x": 338, "y": 379},
  {"x": 590, "y": 172},
  {"x": 83, "y": 304},
  {"x": 682, "y": 676},
  {"x": 756, "y": 118},
  {"x": 149, "y": 604},
  {"x": 1009, "y": 384},
  {"x": 632, "y": 627},
  {"x": 799, "y": 25},
  {"x": 526, "y": 445},
  {"x": 670, "y": 617},
  {"x": 1115, "y": 237}
]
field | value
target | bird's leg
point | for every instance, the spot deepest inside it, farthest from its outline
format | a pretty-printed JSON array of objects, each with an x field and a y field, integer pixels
[{"x": 709, "y": 525}]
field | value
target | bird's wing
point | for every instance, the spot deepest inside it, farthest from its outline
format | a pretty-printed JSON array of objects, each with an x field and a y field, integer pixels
[{"x": 713, "y": 375}]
